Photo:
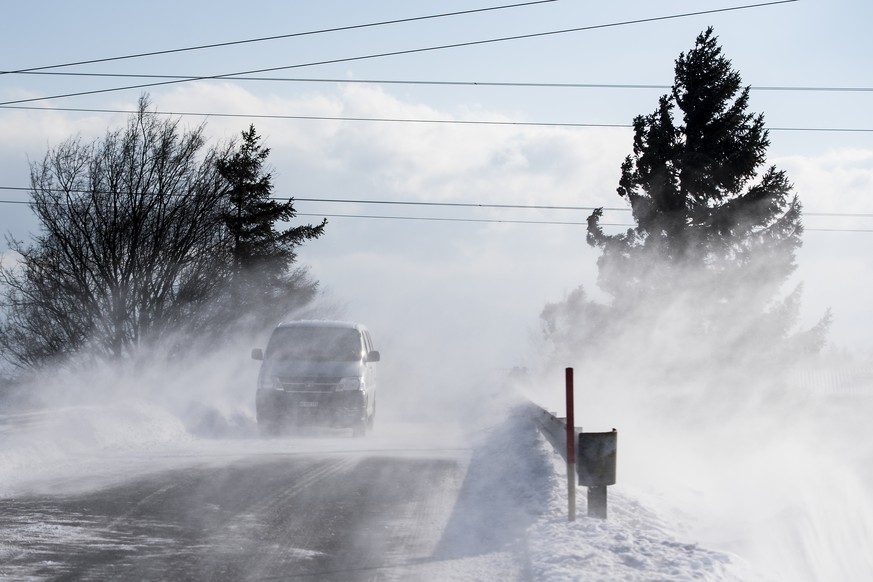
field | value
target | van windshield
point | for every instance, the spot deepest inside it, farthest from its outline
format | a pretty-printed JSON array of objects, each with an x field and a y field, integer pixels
[{"x": 315, "y": 344}]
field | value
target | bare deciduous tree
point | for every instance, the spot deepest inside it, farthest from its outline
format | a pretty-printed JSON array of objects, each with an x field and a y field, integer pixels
[{"x": 130, "y": 247}]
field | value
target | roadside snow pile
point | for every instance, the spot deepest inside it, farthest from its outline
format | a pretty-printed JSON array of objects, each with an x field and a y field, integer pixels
[
  {"x": 76, "y": 418},
  {"x": 517, "y": 499},
  {"x": 633, "y": 544},
  {"x": 503, "y": 492},
  {"x": 778, "y": 479},
  {"x": 53, "y": 442}
]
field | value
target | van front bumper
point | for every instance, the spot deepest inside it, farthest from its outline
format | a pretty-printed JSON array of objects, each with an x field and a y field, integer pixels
[{"x": 342, "y": 409}]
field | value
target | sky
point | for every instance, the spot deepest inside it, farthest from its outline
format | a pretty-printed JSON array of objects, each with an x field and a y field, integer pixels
[{"x": 465, "y": 291}]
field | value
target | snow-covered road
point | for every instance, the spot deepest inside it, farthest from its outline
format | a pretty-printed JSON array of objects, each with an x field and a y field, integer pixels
[
  {"x": 342, "y": 516},
  {"x": 124, "y": 490},
  {"x": 82, "y": 502}
]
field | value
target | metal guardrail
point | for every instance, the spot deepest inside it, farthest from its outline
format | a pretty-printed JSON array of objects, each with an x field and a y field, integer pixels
[
  {"x": 553, "y": 427},
  {"x": 595, "y": 466}
]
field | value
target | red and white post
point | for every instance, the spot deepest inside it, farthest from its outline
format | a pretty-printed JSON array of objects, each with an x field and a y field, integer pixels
[{"x": 571, "y": 448}]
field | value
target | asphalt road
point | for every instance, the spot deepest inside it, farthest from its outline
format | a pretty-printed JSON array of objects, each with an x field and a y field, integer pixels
[{"x": 308, "y": 517}]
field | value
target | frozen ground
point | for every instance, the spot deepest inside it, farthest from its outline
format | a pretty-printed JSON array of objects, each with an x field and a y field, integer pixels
[{"x": 505, "y": 517}]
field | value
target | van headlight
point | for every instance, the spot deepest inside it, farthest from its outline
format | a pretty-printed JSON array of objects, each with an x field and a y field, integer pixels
[
  {"x": 350, "y": 383},
  {"x": 271, "y": 383}
]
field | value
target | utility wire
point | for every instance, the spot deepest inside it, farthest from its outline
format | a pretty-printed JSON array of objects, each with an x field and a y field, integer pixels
[
  {"x": 401, "y": 120},
  {"x": 517, "y": 206},
  {"x": 499, "y": 221},
  {"x": 422, "y": 203},
  {"x": 269, "y": 38},
  {"x": 403, "y": 52},
  {"x": 379, "y": 202},
  {"x": 522, "y": 84},
  {"x": 503, "y": 221},
  {"x": 444, "y": 219},
  {"x": 450, "y": 204},
  {"x": 527, "y": 222}
]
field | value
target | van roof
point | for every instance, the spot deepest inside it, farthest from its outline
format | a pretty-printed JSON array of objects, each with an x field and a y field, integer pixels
[{"x": 322, "y": 323}]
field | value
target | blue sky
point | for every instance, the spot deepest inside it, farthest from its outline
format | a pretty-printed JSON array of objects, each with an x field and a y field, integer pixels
[{"x": 472, "y": 290}]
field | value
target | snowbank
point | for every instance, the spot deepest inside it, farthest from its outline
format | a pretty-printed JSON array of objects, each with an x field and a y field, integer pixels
[
  {"x": 521, "y": 475},
  {"x": 53, "y": 447},
  {"x": 633, "y": 544}
]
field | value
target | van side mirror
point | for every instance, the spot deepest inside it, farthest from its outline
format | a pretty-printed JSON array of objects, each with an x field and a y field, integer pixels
[
  {"x": 374, "y": 356},
  {"x": 257, "y": 354}
]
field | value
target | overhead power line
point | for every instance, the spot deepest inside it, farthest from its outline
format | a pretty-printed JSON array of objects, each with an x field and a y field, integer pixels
[
  {"x": 424, "y": 203},
  {"x": 519, "y": 206},
  {"x": 501, "y": 221},
  {"x": 513, "y": 221},
  {"x": 444, "y": 219},
  {"x": 404, "y": 52},
  {"x": 401, "y": 120},
  {"x": 368, "y": 202},
  {"x": 276, "y": 37},
  {"x": 520, "y": 84}
]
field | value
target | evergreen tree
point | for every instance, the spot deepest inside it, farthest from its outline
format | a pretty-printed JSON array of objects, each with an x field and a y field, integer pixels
[
  {"x": 715, "y": 230},
  {"x": 264, "y": 282}
]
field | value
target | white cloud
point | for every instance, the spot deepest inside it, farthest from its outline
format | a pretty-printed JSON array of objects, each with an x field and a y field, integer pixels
[
  {"x": 839, "y": 181},
  {"x": 835, "y": 266},
  {"x": 418, "y": 160},
  {"x": 497, "y": 276}
]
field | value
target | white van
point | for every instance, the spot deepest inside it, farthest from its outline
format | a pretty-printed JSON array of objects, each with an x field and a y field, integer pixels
[{"x": 317, "y": 373}]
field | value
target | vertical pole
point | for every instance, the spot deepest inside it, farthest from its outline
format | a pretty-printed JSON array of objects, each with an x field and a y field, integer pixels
[
  {"x": 571, "y": 448},
  {"x": 597, "y": 501}
]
